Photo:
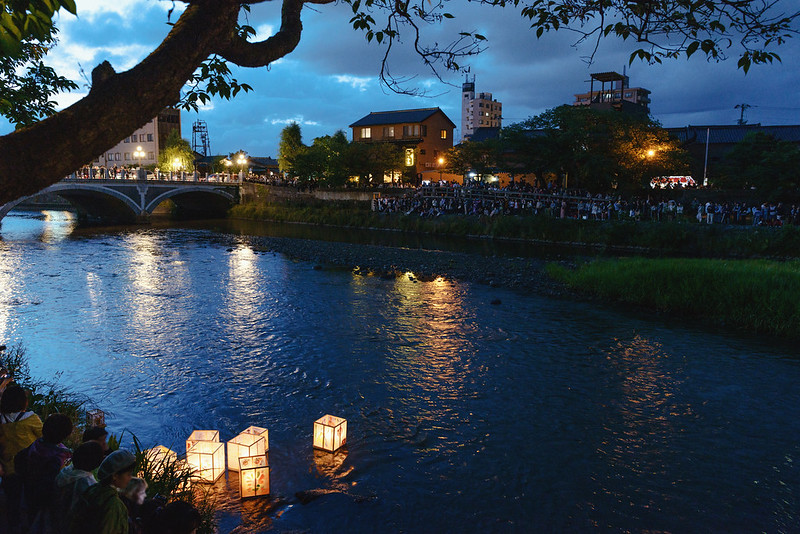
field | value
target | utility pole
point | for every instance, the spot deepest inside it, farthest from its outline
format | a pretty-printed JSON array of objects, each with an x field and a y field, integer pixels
[{"x": 742, "y": 107}]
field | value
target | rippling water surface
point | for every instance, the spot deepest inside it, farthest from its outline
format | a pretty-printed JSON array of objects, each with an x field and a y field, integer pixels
[{"x": 534, "y": 415}]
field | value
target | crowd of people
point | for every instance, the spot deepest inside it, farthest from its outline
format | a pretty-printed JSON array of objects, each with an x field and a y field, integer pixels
[
  {"x": 524, "y": 199},
  {"x": 47, "y": 488}
]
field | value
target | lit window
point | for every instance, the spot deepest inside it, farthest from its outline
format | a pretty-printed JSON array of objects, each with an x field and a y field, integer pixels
[
  {"x": 409, "y": 157},
  {"x": 366, "y": 133},
  {"x": 388, "y": 131},
  {"x": 443, "y": 134}
]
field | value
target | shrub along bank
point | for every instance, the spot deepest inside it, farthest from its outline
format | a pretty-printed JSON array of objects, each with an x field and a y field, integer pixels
[
  {"x": 759, "y": 296},
  {"x": 684, "y": 238}
]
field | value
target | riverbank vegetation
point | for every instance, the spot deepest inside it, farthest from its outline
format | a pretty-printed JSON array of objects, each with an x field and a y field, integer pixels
[
  {"x": 759, "y": 296},
  {"x": 678, "y": 238},
  {"x": 169, "y": 479}
]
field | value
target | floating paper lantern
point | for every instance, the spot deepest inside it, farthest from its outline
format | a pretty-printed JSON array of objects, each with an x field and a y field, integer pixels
[
  {"x": 244, "y": 445},
  {"x": 160, "y": 457},
  {"x": 253, "y": 476},
  {"x": 330, "y": 433},
  {"x": 258, "y": 431},
  {"x": 95, "y": 418},
  {"x": 207, "y": 460},
  {"x": 201, "y": 435}
]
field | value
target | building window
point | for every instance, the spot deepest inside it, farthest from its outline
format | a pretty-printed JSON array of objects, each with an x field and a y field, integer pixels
[
  {"x": 411, "y": 130},
  {"x": 141, "y": 138},
  {"x": 150, "y": 155},
  {"x": 422, "y": 151},
  {"x": 409, "y": 157},
  {"x": 366, "y": 133},
  {"x": 388, "y": 131},
  {"x": 126, "y": 140},
  {"x": 443, "y": 134},
  {"x": 423, "y": 130},
  {"x": 127, "y": 156},
  {"x": 149, "y": 137},
  {"x": 116, "y": 156},
  {"x": 110, "y": 156}
]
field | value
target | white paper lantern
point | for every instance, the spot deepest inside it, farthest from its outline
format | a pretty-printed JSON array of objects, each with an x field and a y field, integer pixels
[
  {"x": 160, "y": 457},
  {"x": 95, "y": 418},
  {"x": 244, "y": 445},
  {"x": 253, "y": 476},
  {"x": 258, "y": 431},
  {"x": 207, "y": 460},
  {"x": 201, "y": 435},
  {"x": 330, "y": 433}
]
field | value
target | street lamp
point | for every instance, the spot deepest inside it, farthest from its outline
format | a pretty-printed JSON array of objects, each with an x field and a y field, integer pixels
[
  {"x": 441, "y": 162},
  {"x": 241, "y": 161},
  {"x": 138, "y": 155}
]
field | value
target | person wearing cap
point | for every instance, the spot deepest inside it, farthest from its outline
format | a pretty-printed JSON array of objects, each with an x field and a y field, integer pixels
[{"x": 100, "y": 510}]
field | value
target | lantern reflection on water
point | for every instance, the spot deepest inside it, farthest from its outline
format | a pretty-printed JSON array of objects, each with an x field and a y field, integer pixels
[
  {"x": 95, "y": 418},
  {"x": 244, "y": 445},
  {"x": 330, "y": 433},
  {"x": 253, "y": 476},
  {"x": 201, "y": 435},
  {"x": 207, "y": 460}
]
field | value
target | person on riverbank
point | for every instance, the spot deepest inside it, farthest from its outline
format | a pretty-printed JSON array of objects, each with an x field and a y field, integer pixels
[
  {"x": 133, "y": 496},
  {"x": 18, "y": 429},
  {"x": 178, "y": 517},
  {"x": 75, "y": 479},
  {"x": 38, "y": 466},
  {"x": 99, "y": 435},
  {"x": 100, "y": 509}
]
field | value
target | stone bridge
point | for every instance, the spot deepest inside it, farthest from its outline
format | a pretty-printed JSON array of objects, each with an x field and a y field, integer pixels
[{"x": 135, "y": 200}]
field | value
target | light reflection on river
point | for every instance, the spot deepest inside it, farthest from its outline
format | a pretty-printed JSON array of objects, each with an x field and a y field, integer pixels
[{"x": 534, "y": 415}]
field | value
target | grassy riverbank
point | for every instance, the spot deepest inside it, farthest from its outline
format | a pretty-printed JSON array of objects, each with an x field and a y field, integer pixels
[
  {"x": 684, "y": 238},
  {"x": 755, "y": 295}
]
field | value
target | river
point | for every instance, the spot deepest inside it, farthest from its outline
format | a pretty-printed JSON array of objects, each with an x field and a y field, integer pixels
[{"x": 535, "y": 415}]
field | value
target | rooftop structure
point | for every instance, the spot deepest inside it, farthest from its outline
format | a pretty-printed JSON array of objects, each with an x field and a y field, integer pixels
[{"x": 616, "y": 95}]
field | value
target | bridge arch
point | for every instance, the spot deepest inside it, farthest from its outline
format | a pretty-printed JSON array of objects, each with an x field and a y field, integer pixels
[
  {"x": 84, "y": 196},
  {"x": 187, "y": 192}
]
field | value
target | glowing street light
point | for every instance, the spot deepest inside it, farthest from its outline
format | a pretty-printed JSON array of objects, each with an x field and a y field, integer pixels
[
  {"x": 138, "y": 155},
  {"x": 241, "y": 161}
]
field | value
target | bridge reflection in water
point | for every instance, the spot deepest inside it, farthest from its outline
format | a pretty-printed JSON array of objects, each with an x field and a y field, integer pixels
[{"x": 132, "y": 200}]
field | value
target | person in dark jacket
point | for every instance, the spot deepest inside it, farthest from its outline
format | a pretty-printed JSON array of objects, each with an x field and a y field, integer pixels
[
  {"x": 100, "y": 510},
  {"x": 38, "y": 466}
]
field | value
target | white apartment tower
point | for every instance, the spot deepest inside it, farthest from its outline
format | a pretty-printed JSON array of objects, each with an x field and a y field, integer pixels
[{"x": 480, "y": 111}]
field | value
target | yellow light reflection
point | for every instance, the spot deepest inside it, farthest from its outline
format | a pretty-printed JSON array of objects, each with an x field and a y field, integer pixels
[{"x": 11, "y": 288}]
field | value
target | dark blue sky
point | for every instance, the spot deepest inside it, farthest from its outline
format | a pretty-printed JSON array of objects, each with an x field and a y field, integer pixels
[{"x": 330, "y": 80}]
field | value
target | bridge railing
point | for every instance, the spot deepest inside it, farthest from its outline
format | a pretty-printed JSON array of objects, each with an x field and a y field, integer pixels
[{"x": 151, "y": 177}]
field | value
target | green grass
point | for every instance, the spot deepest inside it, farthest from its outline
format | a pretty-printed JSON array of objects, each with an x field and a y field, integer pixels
[
  {"x": 759, "y": 296},
  {"x": 686, "y": 238}
]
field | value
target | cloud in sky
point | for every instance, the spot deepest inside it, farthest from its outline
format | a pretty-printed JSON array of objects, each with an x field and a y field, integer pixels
[{"x": 331, "y": 78}]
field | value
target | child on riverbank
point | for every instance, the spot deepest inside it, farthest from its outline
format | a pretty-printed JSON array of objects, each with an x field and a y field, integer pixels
[
  {"x": 75, "y": 479},
  {"x": 100, "y": 509}
]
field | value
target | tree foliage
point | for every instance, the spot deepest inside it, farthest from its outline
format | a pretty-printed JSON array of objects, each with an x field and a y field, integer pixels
[
  {"x": 208, "y": 37},
  {"x": 176, "y": 155},
  {"x": 762, "y": 162},
  {"x": 290, "y": 145}
]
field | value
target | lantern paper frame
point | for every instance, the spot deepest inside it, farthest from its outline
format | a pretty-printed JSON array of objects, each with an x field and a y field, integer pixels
[
  {"x": 160, "y": 456},
  {"x": 258, "y": 431},
  {"x": 201, "y": 435},
  {"x": 253, "y": 476},
  {"x": 207, "y": 460},
  {"x": 330, "y": 433},
  {"x": 244, "y": 445},
  {"x": 95, "y": 418}
]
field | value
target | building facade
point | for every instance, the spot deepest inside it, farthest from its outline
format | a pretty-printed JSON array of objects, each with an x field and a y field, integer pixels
[
  {"x": 478, "y": 111},
  {"x": 617, "y": 95},
  {"x": 151, "y": 138},
  {"x": 423, "y": 134}
]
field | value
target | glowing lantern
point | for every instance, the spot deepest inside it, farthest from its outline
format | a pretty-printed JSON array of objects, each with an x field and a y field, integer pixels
[
  {"x": 207, "y": 459},
  {"x": 201, "y": 435},
  {"x": 95, "y": 418},
  {"x": 160, "y": 457},
  {"x": 330, "y": 433},
  {"x": 253, "y": 476},
  {"x": 258, "y": 431},
  {"x": 244, "y": 445}
]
